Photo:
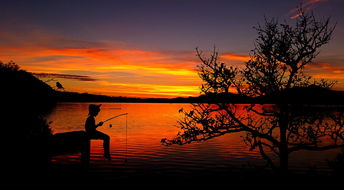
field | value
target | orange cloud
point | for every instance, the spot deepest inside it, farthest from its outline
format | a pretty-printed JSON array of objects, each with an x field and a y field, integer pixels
[
  {"x": 306, "y": 6},
  {"x": 325, "y": 70},
  {"x": 235, "y": 57}
]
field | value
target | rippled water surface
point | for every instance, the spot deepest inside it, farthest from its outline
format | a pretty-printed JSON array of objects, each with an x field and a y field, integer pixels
[{"x": 136, "y": 147}]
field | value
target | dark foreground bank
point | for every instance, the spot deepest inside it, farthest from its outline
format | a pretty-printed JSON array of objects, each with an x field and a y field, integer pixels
[{"x": 78, "y": 176}]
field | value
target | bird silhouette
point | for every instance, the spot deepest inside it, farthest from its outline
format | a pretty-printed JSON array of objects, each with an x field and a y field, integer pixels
[{"x": 59, "y": 86}]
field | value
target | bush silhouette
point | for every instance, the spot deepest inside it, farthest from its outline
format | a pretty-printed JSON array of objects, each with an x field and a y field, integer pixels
[{"x": 25, "y": 101}]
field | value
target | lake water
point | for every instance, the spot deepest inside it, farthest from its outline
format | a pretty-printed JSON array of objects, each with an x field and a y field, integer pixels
[{"x": 136, "y": 148}]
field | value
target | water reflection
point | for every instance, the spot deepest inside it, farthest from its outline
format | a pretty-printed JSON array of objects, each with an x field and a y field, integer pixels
[
  {"x": 276, "y": 131},
  {"x": 147, "y": 125}
]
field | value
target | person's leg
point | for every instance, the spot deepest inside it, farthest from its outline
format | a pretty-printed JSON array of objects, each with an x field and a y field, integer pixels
[
  {"x": 106, "y": 142},
  {"x": 106, "y": 146}
]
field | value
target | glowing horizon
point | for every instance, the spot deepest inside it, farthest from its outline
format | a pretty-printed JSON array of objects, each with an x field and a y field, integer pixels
[
  {"x": 132, "y": 73},
  {"x": 114, "y": 71}
]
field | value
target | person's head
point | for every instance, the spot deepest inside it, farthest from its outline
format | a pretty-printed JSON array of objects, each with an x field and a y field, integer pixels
[{"x": 93, "y": 109}]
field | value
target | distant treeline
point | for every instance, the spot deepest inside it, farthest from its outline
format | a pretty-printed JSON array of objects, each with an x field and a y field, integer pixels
[{"x": 310, "y": 95}]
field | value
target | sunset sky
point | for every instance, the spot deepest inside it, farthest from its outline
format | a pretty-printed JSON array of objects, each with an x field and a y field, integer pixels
[{"x": 146, "y": 48}]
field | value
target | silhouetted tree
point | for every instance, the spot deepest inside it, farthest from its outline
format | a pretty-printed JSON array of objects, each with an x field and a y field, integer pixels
[
  {"x": 25, "y": 101},
  {"x": 276, "y": 65}
]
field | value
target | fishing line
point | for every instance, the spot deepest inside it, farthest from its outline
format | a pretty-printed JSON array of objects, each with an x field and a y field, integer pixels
[
  {"x": 126, "y": 138},
  {"x": 126, "y": 132}
]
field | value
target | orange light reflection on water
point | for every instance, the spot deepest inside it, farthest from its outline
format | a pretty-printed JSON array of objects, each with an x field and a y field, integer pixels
[
  {"x": 137, "y": 137},
  {"x": 147, "y": 124}
]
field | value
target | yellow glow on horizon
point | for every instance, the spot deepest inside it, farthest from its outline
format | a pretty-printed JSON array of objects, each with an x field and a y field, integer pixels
[
  {"x": 118, "y": 71},
  {"x": 152, "y": 89},
  {"x": 130, "y": 72},
  {"x": 181, "y": 72}
]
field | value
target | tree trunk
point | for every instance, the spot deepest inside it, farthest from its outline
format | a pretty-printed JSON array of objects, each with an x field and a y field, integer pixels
[
  {"x": 284, "y": 158},
  {"x": 283, "y": 124}
]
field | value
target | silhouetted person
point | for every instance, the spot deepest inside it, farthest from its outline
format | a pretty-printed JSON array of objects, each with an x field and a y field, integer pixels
[{"x": 91, "y": 129}]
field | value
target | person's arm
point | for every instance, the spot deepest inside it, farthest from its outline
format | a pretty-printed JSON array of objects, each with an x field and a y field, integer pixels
[{"x": 99, "y": 124}]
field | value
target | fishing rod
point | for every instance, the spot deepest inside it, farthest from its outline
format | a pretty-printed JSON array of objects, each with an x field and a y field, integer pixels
[{"x": 115, "y": 117}]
